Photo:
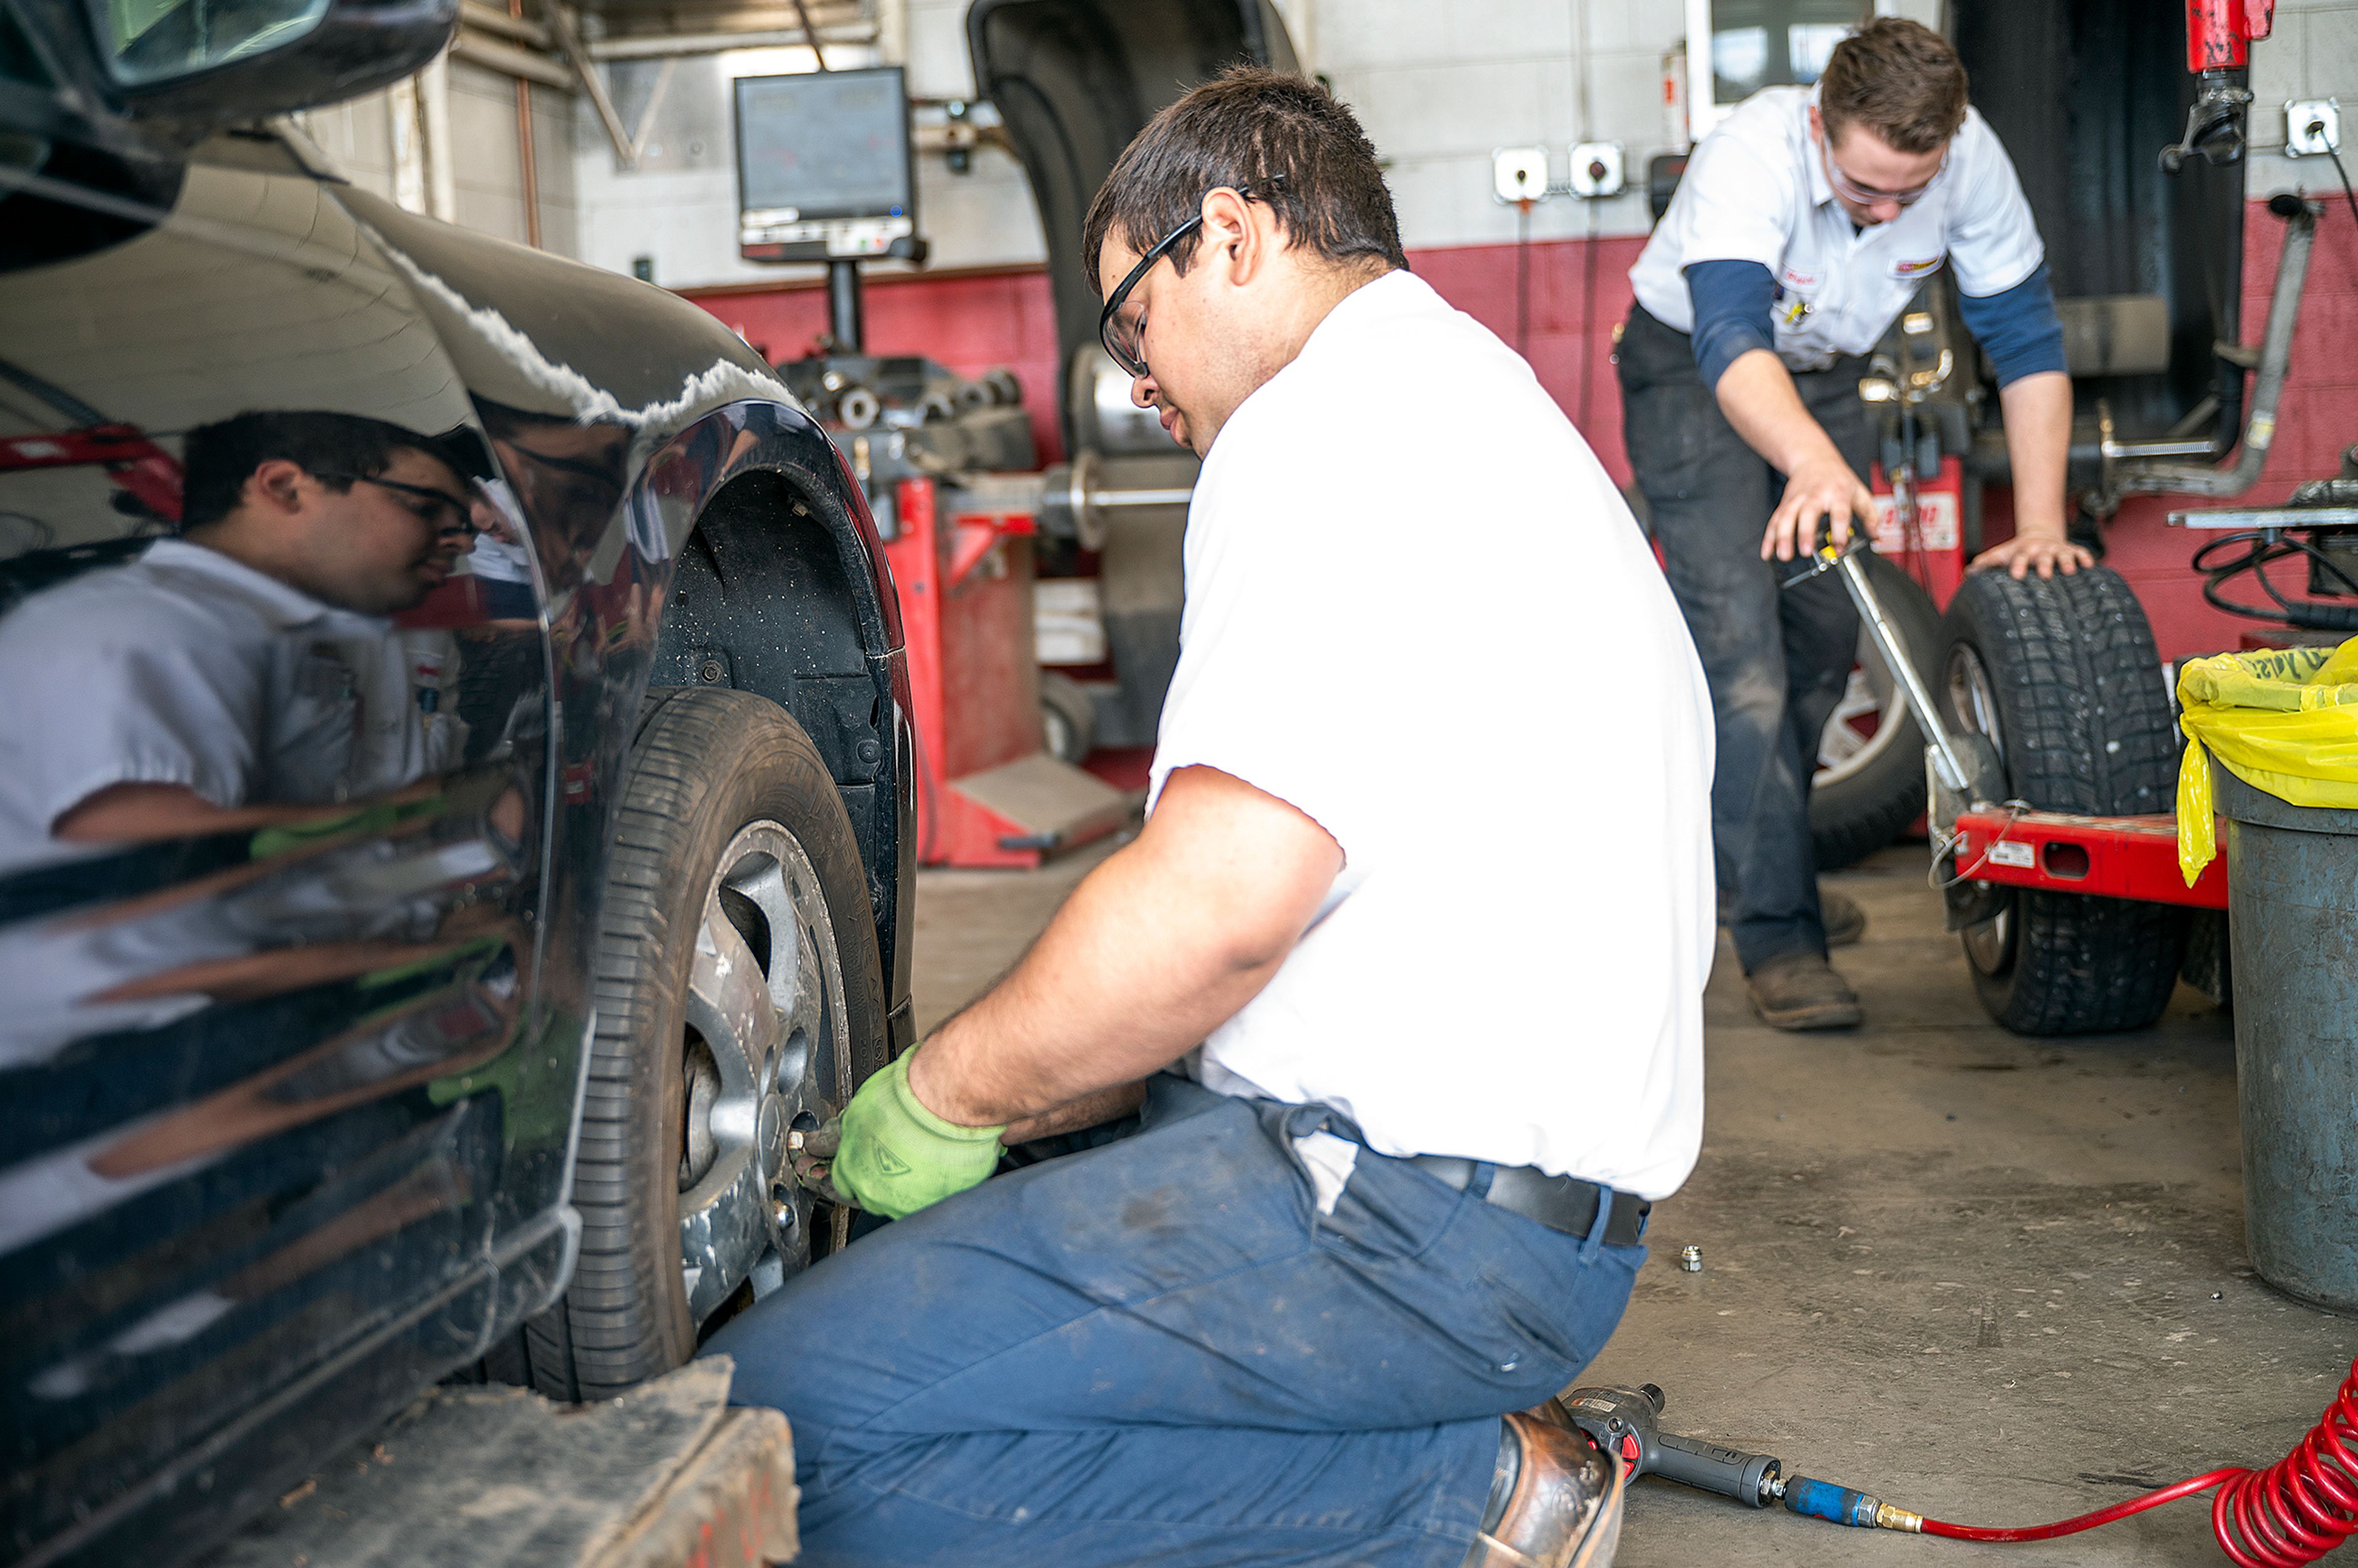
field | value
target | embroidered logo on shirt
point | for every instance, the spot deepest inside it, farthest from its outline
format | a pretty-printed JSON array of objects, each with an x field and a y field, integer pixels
[{"x": 1915, "y": 268}]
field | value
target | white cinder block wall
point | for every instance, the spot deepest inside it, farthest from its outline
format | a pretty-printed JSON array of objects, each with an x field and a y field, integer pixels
[
  {"x": 2312, "y": 52},
  {"x": 1438, "y": 84},
  {"x": 488, "y": 175}
]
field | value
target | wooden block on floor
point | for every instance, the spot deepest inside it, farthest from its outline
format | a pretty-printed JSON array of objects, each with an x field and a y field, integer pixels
[{"x": 665, "y": 1476}]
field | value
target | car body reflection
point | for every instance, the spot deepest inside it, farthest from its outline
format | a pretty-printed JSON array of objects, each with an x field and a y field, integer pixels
[{"x": 336, "y": 551}]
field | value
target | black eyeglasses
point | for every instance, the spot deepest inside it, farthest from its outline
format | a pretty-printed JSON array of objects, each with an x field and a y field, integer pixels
[
  {"x": 447, "y": 514},
  {"x": 1124, "y": 337}
]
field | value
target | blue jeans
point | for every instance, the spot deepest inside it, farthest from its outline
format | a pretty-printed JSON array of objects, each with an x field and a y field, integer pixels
[
  {"x": 1776, "y": 659},
  {"x": 1160, "y": 1351}
]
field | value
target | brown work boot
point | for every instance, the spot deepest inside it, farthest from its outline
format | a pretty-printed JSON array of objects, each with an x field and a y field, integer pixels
[
  {"x": 1555, "y": 1499},
  {"x": 1800, "y": 990},
  {"x": 1844, "y": 922}
]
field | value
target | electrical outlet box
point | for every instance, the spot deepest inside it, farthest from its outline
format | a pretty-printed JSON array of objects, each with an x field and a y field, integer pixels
[
  {"x": 1519, "y": 174},
  {"x": 2322, "y": 114},
  {"x": 1597, "y": 169}
]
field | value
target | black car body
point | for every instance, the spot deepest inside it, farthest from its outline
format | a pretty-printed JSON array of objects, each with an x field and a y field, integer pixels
[{"x": 291, "y": 1111}]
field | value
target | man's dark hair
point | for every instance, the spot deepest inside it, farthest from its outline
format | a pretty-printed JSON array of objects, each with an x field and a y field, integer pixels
[
  {"x": 217, "y": 459},
  {"x": 1901, "y": 80},
  {"x": 1284, "y": 136}
]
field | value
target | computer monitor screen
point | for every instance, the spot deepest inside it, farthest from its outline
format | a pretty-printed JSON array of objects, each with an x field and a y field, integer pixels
[{"x": 832, "y": 144}]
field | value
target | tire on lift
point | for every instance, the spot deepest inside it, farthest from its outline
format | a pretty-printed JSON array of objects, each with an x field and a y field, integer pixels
[
  {"x": 1068, "y": 718},
  {"x": 1862, "y": 800},
  {"x": 2062, "y": 674}
]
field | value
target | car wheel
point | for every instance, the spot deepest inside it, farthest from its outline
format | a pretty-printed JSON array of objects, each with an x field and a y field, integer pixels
[
  {"x": 2062, "y": 676},
  {"x": 1068, "y": 718},
  {"x": 740, "y": 996},
  {"x": 1870, "y": 780}
]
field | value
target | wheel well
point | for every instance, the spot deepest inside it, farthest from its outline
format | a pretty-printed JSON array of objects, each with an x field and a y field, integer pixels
[{"x": 762, "y": 599}]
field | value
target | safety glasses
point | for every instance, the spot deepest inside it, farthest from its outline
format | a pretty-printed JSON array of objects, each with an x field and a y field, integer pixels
[
  {"x": 1123, "y": 336},
  {"x": 1866, "y": 195},
  {"x": 440, "y": 510}
]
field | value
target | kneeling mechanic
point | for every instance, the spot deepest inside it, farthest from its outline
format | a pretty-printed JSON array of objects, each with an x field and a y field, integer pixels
[{"x": 1402, "y": 978}]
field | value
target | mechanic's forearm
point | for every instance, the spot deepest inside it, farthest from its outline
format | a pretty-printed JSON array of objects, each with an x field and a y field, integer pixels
[
  {"x": 2038, "y": 445},
  {"x": 1119, "y": 986},
  {"x": 1757, "y": 395},
  {"x": 1156, "y": 949},
  {"x": 1089, "y": 1110}
]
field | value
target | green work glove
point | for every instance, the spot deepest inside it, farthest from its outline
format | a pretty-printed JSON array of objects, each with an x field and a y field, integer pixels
[{"x": 897, "y": 1157}]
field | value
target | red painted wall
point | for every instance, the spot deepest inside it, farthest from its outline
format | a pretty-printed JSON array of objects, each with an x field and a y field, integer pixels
[{"x": 972, "y": 323}]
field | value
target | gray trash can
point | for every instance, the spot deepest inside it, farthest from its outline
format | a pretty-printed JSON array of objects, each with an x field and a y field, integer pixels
[{"x": 2292, "y": 890}]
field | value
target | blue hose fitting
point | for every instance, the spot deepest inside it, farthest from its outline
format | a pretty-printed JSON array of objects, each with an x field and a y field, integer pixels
[{"x": 1844, "y": 1505}]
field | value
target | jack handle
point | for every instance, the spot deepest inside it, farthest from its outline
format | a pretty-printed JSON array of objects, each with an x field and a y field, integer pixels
[{"x": 1845, "y": 561}]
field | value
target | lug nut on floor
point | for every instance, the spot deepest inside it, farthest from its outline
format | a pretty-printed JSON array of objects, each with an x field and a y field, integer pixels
[{"x": 1691, "y": 1259}]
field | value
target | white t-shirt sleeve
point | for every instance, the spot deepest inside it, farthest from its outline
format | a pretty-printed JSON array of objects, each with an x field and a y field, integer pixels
[
  {"x": 1992, "y": 240},
  {"x": 1740, "y": 205},
  {"x": 1281, "y": 678},
  {"x": 126, "y": 692}
]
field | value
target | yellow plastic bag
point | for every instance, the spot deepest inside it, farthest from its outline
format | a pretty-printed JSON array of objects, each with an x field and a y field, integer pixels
[{"x": 2286, "y": 722}]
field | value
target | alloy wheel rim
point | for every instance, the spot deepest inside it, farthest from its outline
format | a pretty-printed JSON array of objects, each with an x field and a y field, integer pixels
[
  {"x": 766, "y": 1050},
  {"x": 1973, "y": 707}
]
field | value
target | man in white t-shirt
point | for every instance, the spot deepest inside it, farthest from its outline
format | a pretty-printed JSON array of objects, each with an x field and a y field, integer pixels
[
  {"x": 1384, "y": 1196},
  {"x": 1804, "y": 223},
  {"x": 245, "y": 673}
]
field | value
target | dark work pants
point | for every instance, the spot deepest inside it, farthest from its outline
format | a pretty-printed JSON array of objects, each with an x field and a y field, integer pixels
[
  {"x": 1777, "y": 658},
  {"x": 1159, "y": 1351}
]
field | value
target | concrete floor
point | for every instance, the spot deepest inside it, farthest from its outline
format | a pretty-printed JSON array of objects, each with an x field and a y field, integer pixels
[{"x": 1997, "y": 1280}]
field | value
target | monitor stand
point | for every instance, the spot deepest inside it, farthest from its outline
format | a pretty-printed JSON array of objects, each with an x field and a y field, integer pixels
[{"x": 845, "y": 314}]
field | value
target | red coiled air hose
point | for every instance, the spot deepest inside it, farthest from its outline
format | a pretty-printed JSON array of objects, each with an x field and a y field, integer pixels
[{"x": 2288, "y": 1515}]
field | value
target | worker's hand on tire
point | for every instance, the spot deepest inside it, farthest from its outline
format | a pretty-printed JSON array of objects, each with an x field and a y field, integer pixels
[
  {"x": 897, "y": 1157},
  {"x": 2045, "y": 554},
  {"x": 1820, "y": 489}
]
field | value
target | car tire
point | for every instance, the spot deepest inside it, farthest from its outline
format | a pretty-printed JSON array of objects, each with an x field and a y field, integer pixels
[
  {"x": 1068, "y": 718},
  {"x": 1870, "y": 781},
  {"x": 2062, "y": 675},
  {"x": 727, "y": 821}
]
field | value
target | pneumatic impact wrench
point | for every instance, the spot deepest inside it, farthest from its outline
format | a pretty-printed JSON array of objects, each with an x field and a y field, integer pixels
[{"x": 1625, "y": 1423}]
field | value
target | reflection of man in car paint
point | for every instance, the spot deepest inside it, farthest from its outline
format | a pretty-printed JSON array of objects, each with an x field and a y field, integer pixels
[{"x": 244, "y": 669}]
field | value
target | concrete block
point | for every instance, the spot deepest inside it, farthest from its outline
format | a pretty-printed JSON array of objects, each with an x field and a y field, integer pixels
[
  {"x": 1364, "y": 33},
  {"x": 1528, "y": 31},
  {"x": 1429, "y": 196},
  {"x": 1626, "y": 102},
  {"x": 1647, "y": 26},
  {"x": 2279, "y": 72},
  {"x": 1426, "y": 110},
  {"x": 2329, "y": 55},
  {"x": 985, "y": 218},
  {"x": 939, "y": 65}
]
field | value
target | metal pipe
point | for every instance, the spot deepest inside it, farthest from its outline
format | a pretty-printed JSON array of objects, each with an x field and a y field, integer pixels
[
  {"x": 654, "y": 46},
  {"x": 817, "y": 50},
  {"x": 508, "y": 24},
  {"x": 845, "y": 320},
  {"x": 506, "y": 59},
  {"x": 528, "y": 168},
  {"x": 408, "y": 156},
  {"x": 2133, "y": 451},
  {"x": 2275, "y": 359},
  {"x": 434, "y": 111},
  {"x": 570, "y": 42},
  {"x": 1896, "y": 659},
  {"x": 1176, "y": 495}
]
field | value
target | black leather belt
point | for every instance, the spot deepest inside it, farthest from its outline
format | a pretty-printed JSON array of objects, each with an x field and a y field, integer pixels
[{"x": 1560, "y": 1203}]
